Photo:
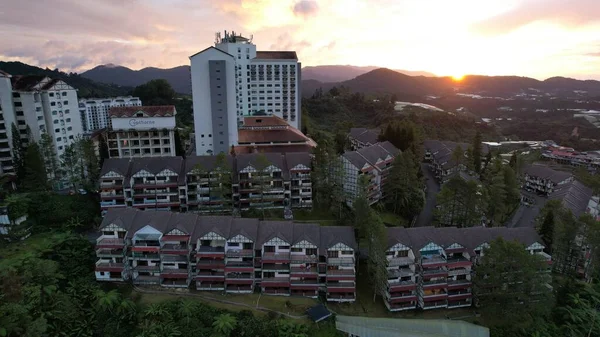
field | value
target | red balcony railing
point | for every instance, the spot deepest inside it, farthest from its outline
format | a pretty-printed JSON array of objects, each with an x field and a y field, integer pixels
[
  {"x": 109, "y": 266},
  {"x": 276, "y": 257},
  {"x": 110, "y": 243},
  {"x": 275, "y": 282},
  {"x": 174, "y": 273},
  {"x": 403, "y": 299}
]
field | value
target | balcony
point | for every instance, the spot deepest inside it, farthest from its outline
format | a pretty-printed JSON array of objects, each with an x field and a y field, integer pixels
[
  {"x": 105, "y": 252},
  {"x": 433, "y": 262},
  {"x": 342, "y": 287},
  {"x": 239, "y": 266},
  {"x": 111, "y": 204},
  {"x": 174, "y": 273},
  {"x": 459, "y": 262},
  {"x": 341, "y": 275},
  {"x": 303, "y": 272},
  {"x": 175, "y": 249},
  {"x": 111, "y": 185},
  {"x": 275, "y": 282},
  {"x": 460, "y": 296},
  {"x": 109, "y": 266},
  {"x": 298, "y": 258},
  {"x": 243, "y": 279},
  {"x": 341, "y": 261},
  {"x": 276, "y": 266},
  {"x": 434, "y": 297},
  {"x": 395, "y": 285},
  {"x": 460, "y": 271},
  {"x": 111, "y": 196},
  {"x": 146, "y": 268},
  {"x": 340, "y": 298},
  {"x": 210, "y": 264},
  {"x": 236, "y": 253},
  {"x": 104, "y": 242},
  {"x": 142, "y": 256},
  {"x": 400, "y": 261},
  {"x": 205, "y": 251},
  {"x": 400, "y": 306},
  {"x": 140, "y": 247},
  {"x": 146, "y": 279},
  {"x": 434, "y": 284},
  {"x": 403, "y": 272},
  {"x": 459, "y": 304},
  {"x": 402, "y": 299},
  {"x": 305, "y": 284},
  {"x": 153, "y": 184},
  {"x": 459, "y": 284},
  {"x": 276, "y": 257},
  {"x": 175, "y": 238}
]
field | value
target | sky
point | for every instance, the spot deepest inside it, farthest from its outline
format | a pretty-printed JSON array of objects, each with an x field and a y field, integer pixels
[{"x": 536, "y": 38}]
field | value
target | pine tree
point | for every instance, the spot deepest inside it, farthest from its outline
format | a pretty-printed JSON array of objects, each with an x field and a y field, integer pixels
[
  {"x": 70, "y": 165},
  {"x": 403, "y": 194},
  {"x": 547, "y": 230},
  {"x": 49, "y": 155},
  {"x": 223, "y": 170},
  {"x": 35, "y": 172},
  {"x": 376, "y": 237},
  {"x": 18, "y": 152},
  {"x": 361, "y": 208}
]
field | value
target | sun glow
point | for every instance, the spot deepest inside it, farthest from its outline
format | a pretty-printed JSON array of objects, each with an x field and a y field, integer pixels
[{"x": 458, "y": 77}]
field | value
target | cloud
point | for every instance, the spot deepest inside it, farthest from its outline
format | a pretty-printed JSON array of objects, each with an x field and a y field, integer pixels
[
  {"x": 306, "y": 8},
  {"x": 570, "y": 13}
]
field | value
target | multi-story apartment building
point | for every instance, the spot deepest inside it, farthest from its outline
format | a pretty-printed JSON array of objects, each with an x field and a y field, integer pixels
[
  {"x": 374, "y": 162},
  {"x": 94, "y": 111},
  {"x": 206, "y": 185},
  {"x": 362, "y": 137},
  {"x": 543, "y": 180},
  {"x": 141, "y": 131},
  {"x": 228, "y": 254},
  {"x": 232, "y": 80},
  {"x": 271, "y": 134},
  {"x": 7, "y": 118},
  {"x": 46, "y": 106},
  {"x": 431, "y": 268}
]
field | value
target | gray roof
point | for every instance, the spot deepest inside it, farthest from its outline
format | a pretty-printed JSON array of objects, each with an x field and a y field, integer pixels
[
  {"x": 418, "y": 237},
  {"x": 155, "y": 165},
  {"x": 574, "y": 196},
  {"x": 294, "y": 159},
  {"x": 118, "y": 165},
  {"x": 545, "y": 172},
  {"x": 332, "y": 235},
  {"x": 218, "y": 224},
  {"x": 308, "y": 232},
  {"x": 364, "y": 135},
  {"x": 355, "y": 159},
  {"x": 371, "y": 154},
  {"x": 245, "y": 160},
  {"x": 442, "y": 150},
  {"x": 271, "y": 229}
]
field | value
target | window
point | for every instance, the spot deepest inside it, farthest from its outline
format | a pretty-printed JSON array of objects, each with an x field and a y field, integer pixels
[
  {"x": 58, "y": 139},
  {"x": 68, "y": 120},
  {"x": 64, "y": 93},
  {"x": 209, "y": 135},
  {"x": 57, "y": 130},
  {"x": 69, "y": 128},
  {"x": 71, "y": 137},
  {"x": 17, "y": 104},
  {"x": 21, "y": 122},
  {"x": 55, "y": 121},
  {"x": 296, "y": 250},
  {"x": 52, "y": 103},
  {"x": 19, "y": 113},
  {"x": 67, "y": 111},
  {"x": 51, "y": 94},
  {"x": 66, "y": 102},
  {"x": 16, "y": 95},
  {"x": 60, "y": 148}
]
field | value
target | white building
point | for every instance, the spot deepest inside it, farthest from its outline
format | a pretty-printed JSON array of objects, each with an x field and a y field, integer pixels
[
  {"x": 94, "y": 111},
  {"x": 233, "y": 80},
  {"x": 142, "y": 131},
  {"x": 7, "y": 118},
  {"x": 46, "y": 105}
]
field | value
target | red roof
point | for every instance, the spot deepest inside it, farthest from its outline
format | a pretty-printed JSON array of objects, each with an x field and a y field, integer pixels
[
  {"x": 276, "y": 55},
  {"x": 264, "y": 121},
  {"x": 148, "y": 111}
]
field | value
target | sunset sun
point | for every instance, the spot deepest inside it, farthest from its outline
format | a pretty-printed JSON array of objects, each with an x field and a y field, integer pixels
[{"x": 458, "y": 77}]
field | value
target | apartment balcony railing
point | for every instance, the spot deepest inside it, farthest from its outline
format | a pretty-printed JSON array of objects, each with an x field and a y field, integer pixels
[
  {"x": 146, "y": 279},
  {"x": 403, "y": 272},
  {"x": 341, "y": 287},
  {"x": 460, "y": 271},
  {"x": 276, "y": 257},
  {"x": 142, "y": 256},
  {"x": 240, "y": 266},
  {"x": 146, "y": 268},
  {"x": 210, "y": 276},
  {"x": 434, "y": 297},
  {"x": 210, "y": 251},
  {"x": 433, "y": 262},
  {"x": 341, "y": 261},
  {"x": 303, "y": 271},
  {"x": 174, "y": 249},
  {"x": 210, "y": 264},
  {"x": 240, "y": 253},
  {"x": 400, "y": 261},
  {"x": 104, "y": 242},
  {"x": 459, "y": 262},
  {"x": 106, "y": 252},
  {"x": 110, "y": 185},
  {"x": 430, "y": 273},
  {"x": 174, "y": 273},
  {"x": 109, "y": 266},
  {"x": 297, "y": 258},
  {"x": 284, "y": 267},
  {"x": 275, "y": 282}
]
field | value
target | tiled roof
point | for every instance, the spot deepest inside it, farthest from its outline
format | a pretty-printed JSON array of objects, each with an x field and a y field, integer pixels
[
  {"x": 148, "y": 111},
  {"x": 117, "y": 165},
  {"x": 258, "y": 136},
  {"x": 247, "y": 149},
  {"x": 4, "y": 74},
  {"x": 276, "y": 55},
  {"x": 264, "y": 121},
  {"x": 442, "y": 150},
  {"x": 275, "y": 159},
  {"x": 371, "y": 154},
  {"x": 364, "y": 135},
  {"x": 50, "y": 84},
  {"x": 545, "y": 172},
  {"x": 418, "y": 237},
  {"x": 155, "y": 165},
  {"x": 26, "y": 83},
  {"x": 207, "y": 163},
  {"x": 574, "y": 196},
  {"x": 294, "y": 159},
  {"x": 228, "y": 227}
]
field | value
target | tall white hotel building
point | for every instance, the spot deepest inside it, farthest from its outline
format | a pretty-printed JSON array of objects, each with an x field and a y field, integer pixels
[{"x": 232, "y": 80}]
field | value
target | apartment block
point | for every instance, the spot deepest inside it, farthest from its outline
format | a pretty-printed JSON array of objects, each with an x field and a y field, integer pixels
[
  {"x": 430, "y": 268},
  {"x": 374, "y": 162},
  {"x": 7, "y": 118},
  {"x": 233, "y": 80},
  {"x": 441, "y": 161},
  {"x": 94, "y": 111},
  {"x": 543, "y": 180},
  {"x": 270, "y": 134},
  {"x": 202, "y": 184},
  {"x": 141, "y": 131},
  {"x": 222, "y": 253},
  {"x": 362, "y": 137}
]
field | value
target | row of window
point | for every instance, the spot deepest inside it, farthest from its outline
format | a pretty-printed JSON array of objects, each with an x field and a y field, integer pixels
[
  {"x": 54, "y": 103},
  {"x": 64, "y": 93}
]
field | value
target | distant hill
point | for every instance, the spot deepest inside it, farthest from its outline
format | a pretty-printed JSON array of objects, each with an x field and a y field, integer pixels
[
  {"x": 336, "y": 73},
  {"x": 86, "y": 87},
  {"x": 388, "y": 81},
  {"x": 178, "y": 77}
]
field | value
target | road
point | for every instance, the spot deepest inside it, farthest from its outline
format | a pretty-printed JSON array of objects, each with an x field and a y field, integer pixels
[
  {"x": 525, "y": 215},
  {"x": 426, "y": 216}
]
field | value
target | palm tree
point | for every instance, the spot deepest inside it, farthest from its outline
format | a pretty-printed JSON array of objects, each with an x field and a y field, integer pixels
[
  {"x": 224, "y": 325},
  {"x": 155, "y": 310},
  {"x": 187, "y": 309},
  {"x": 107, "y": 300}
]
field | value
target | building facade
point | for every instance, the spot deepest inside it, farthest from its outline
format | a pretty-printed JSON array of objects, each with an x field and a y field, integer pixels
[
  {"x": 141, "y": 131},
  {"x": 362, "y": 137},
  {"x": 375, "y": 163},
  {"x": 207, "y": 184},
  {"x": 94, "y": 111},
  {"x": 232, "y": 80},
  {"x": 432, "y": 268},
  {"x": 7, "y": 115},
  {"x": 543, "y": 180},
  {"x": 221, "y": 253}
]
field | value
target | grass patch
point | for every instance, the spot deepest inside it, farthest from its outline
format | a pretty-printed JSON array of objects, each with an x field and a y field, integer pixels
[
  {"x": 13, "y": 253},
  {"x": 392, "y": 220}
]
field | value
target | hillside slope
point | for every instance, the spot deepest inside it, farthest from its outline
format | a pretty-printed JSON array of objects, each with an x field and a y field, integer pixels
[
  {"x": 338, "y": 73},
  {"x": 86, "y": 87},
  {"x": 178, "y": 77}
]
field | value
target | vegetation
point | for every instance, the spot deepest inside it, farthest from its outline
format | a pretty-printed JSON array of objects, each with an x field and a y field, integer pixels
[
  {"x": 460, "y": 203},
  {"x": 403, "y": 193}
]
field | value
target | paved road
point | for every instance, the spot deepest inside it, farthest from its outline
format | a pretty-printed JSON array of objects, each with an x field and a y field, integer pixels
[{"x": 426, "y": 216}]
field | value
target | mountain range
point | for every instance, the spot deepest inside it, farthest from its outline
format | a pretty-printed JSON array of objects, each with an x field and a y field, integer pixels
[{"x": 118, "y": 80}]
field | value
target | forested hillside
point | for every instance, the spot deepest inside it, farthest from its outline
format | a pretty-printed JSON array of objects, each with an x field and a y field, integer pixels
[{"x": 86, "y": 87}]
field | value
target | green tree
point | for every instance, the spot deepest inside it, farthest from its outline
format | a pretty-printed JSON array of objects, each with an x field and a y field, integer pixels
[
  {"x": 70, "y": 165},
  {"x": 35, "y": 178},
  {"x": 263, "y": 178},
  {"x": 546, "y": 229},
  {"x": 510, "y": 283},
  {"x": 223, "y": 170},
  {"x": 155, "y": 92},
  {"x": 361, "y": 208},
  {"x": 286, "y": 328},
  {"x": 179, "y": 151},
  {"x": 377, "y": 261},
  {"x": 18, "y": 150},
  {"x": 47, "y": 150},
  {"x": 477, "y": 152},
  {"x": 224, "y": 325},
  {"x": 403, "y": 193},
  {"x": 460, "y": 203}
]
